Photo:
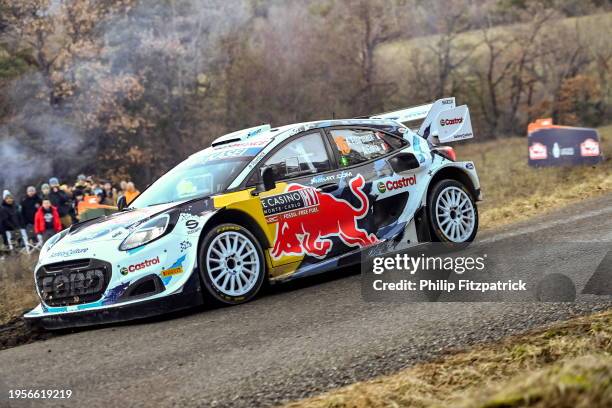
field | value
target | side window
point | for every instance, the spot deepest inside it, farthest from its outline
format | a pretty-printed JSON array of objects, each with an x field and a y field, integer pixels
[
  {"x": 394, "y": 142},
  {"x": 358, "y": 145},
  {"x": 304, "y": 155}
]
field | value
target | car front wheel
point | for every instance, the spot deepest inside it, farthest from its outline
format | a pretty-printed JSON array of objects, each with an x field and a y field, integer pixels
[
  {"x": 231, "y": 264},
  {"x": 453, "y": 213}
]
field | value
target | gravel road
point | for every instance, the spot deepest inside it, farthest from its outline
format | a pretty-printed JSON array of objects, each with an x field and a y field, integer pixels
[{"x": 298, "y": 340}]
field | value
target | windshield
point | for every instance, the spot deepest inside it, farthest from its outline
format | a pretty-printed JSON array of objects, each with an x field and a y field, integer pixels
[{"x": 203, "y": 174}]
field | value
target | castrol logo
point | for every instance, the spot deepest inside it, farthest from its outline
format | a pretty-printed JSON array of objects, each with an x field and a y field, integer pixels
[{"x": 447, "y": 122}]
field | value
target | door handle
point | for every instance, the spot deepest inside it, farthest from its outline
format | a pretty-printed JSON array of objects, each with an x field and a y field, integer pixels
[{"x": 327, "y": 187}]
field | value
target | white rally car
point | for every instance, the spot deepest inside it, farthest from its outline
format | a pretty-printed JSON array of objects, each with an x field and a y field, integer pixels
[{"x": 265, "y": 204}]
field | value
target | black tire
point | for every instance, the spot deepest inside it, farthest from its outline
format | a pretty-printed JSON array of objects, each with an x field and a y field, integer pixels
[
  {"x": 437, "y": 232},
  {"x": 213, "y": 291}
]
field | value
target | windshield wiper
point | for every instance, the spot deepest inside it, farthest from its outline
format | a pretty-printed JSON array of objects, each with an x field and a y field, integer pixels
[{"x": 167, "y": 202}]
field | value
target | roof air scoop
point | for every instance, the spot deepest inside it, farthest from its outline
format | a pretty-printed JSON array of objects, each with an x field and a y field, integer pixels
[{"x": 240, "y": 135}]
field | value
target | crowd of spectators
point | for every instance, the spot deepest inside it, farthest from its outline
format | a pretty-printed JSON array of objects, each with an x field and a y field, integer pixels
[{"x": 39, "y": 215}]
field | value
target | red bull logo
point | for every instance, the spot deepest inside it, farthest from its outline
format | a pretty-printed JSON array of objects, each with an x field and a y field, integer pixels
[{"x": 308, "y": 231}]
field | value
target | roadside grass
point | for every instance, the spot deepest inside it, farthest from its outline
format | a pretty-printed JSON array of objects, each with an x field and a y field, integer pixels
[
  {"x": 513, "y": 191},
  {"x": 17, "y": 292},
  {"x": 568, "y": 364}
]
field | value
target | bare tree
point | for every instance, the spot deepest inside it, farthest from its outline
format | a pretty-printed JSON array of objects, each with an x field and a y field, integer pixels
[
  {"x": 564, "y": 57},
  {"x": 355, "y": 30},
  {"x": 449, "y": 20},
  {"x": 524, "y": 78},
  {"x": 493, "y": 74}
]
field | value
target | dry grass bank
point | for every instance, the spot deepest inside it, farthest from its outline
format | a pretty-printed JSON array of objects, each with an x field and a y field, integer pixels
[
  {"x": 17, "y": 292},
  {"x": 514, "y": 191},
  {"x": 566, "y": 365}
]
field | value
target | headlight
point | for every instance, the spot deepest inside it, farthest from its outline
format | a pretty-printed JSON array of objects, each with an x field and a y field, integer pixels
[
  {"x": 53, "y": 240},
  {"x": 146, "y": 233}
]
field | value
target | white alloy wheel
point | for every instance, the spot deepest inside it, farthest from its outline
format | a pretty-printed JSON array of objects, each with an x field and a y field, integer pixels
[
  {"x": 232, "y": 263},
  {"x": 455, "y": 214}
]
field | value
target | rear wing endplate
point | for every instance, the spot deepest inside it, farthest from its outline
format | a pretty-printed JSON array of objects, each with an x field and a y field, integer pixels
[{"x": 443, "y": 122}]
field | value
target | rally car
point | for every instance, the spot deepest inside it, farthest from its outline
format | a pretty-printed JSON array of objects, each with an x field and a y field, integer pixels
[{"x": 265, "y": 204}]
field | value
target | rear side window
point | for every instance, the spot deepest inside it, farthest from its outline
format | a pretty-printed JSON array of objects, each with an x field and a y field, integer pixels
[
  {"x": 395, "y": 142},
  {"x": 358, "y": 145},
  {"x": 301, "y": 156}
]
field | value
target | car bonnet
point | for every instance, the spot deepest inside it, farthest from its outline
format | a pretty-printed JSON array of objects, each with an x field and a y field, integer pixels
[{"x": 114, "y": 226}]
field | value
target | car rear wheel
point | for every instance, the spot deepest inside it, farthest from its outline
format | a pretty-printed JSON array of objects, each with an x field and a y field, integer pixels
[
  {"x": 231, "y": 264},
  {"x": 452, "y": 213}
]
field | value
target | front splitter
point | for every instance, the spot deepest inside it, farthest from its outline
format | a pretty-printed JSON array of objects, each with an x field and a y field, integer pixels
[{"x": 189, "y": 297}]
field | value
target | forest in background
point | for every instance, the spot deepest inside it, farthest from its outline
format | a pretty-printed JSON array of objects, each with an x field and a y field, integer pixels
[{"x": 128, "y": 88}]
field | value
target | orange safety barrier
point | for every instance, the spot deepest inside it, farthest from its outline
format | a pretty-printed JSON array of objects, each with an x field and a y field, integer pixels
[{"x": 540, "y": 124}]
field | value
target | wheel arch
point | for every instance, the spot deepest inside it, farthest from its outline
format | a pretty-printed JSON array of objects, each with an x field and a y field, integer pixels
[
  {"x": 228, "y": 215},
  {"x": 453, "y": 173}
]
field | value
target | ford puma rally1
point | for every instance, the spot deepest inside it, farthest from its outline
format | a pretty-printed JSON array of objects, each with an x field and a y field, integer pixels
[{"x": 265, "y": 204}]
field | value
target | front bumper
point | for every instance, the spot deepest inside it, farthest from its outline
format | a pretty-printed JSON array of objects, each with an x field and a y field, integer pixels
[
  {"x": 189, "y": 297},
  {"x": 84, "y": 279}
]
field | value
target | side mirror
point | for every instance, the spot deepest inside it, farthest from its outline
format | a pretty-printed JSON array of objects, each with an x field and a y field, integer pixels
[
  {"x": 404, "y": 162},
  {"x": 268, "y": 181}
]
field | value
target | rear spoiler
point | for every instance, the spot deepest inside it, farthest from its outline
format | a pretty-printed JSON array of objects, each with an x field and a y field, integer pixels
[{"x": 443, "y": 122}]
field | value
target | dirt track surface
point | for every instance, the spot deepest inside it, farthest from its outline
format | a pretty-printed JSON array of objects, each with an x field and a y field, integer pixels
[{"x": 298, "y": 340}]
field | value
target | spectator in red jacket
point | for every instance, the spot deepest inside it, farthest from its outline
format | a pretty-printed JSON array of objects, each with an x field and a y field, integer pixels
[{"x": 47, "y": 220}]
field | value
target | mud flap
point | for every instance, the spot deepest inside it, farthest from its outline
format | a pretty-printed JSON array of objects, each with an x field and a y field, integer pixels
[{"x": 423, "y": 227}]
